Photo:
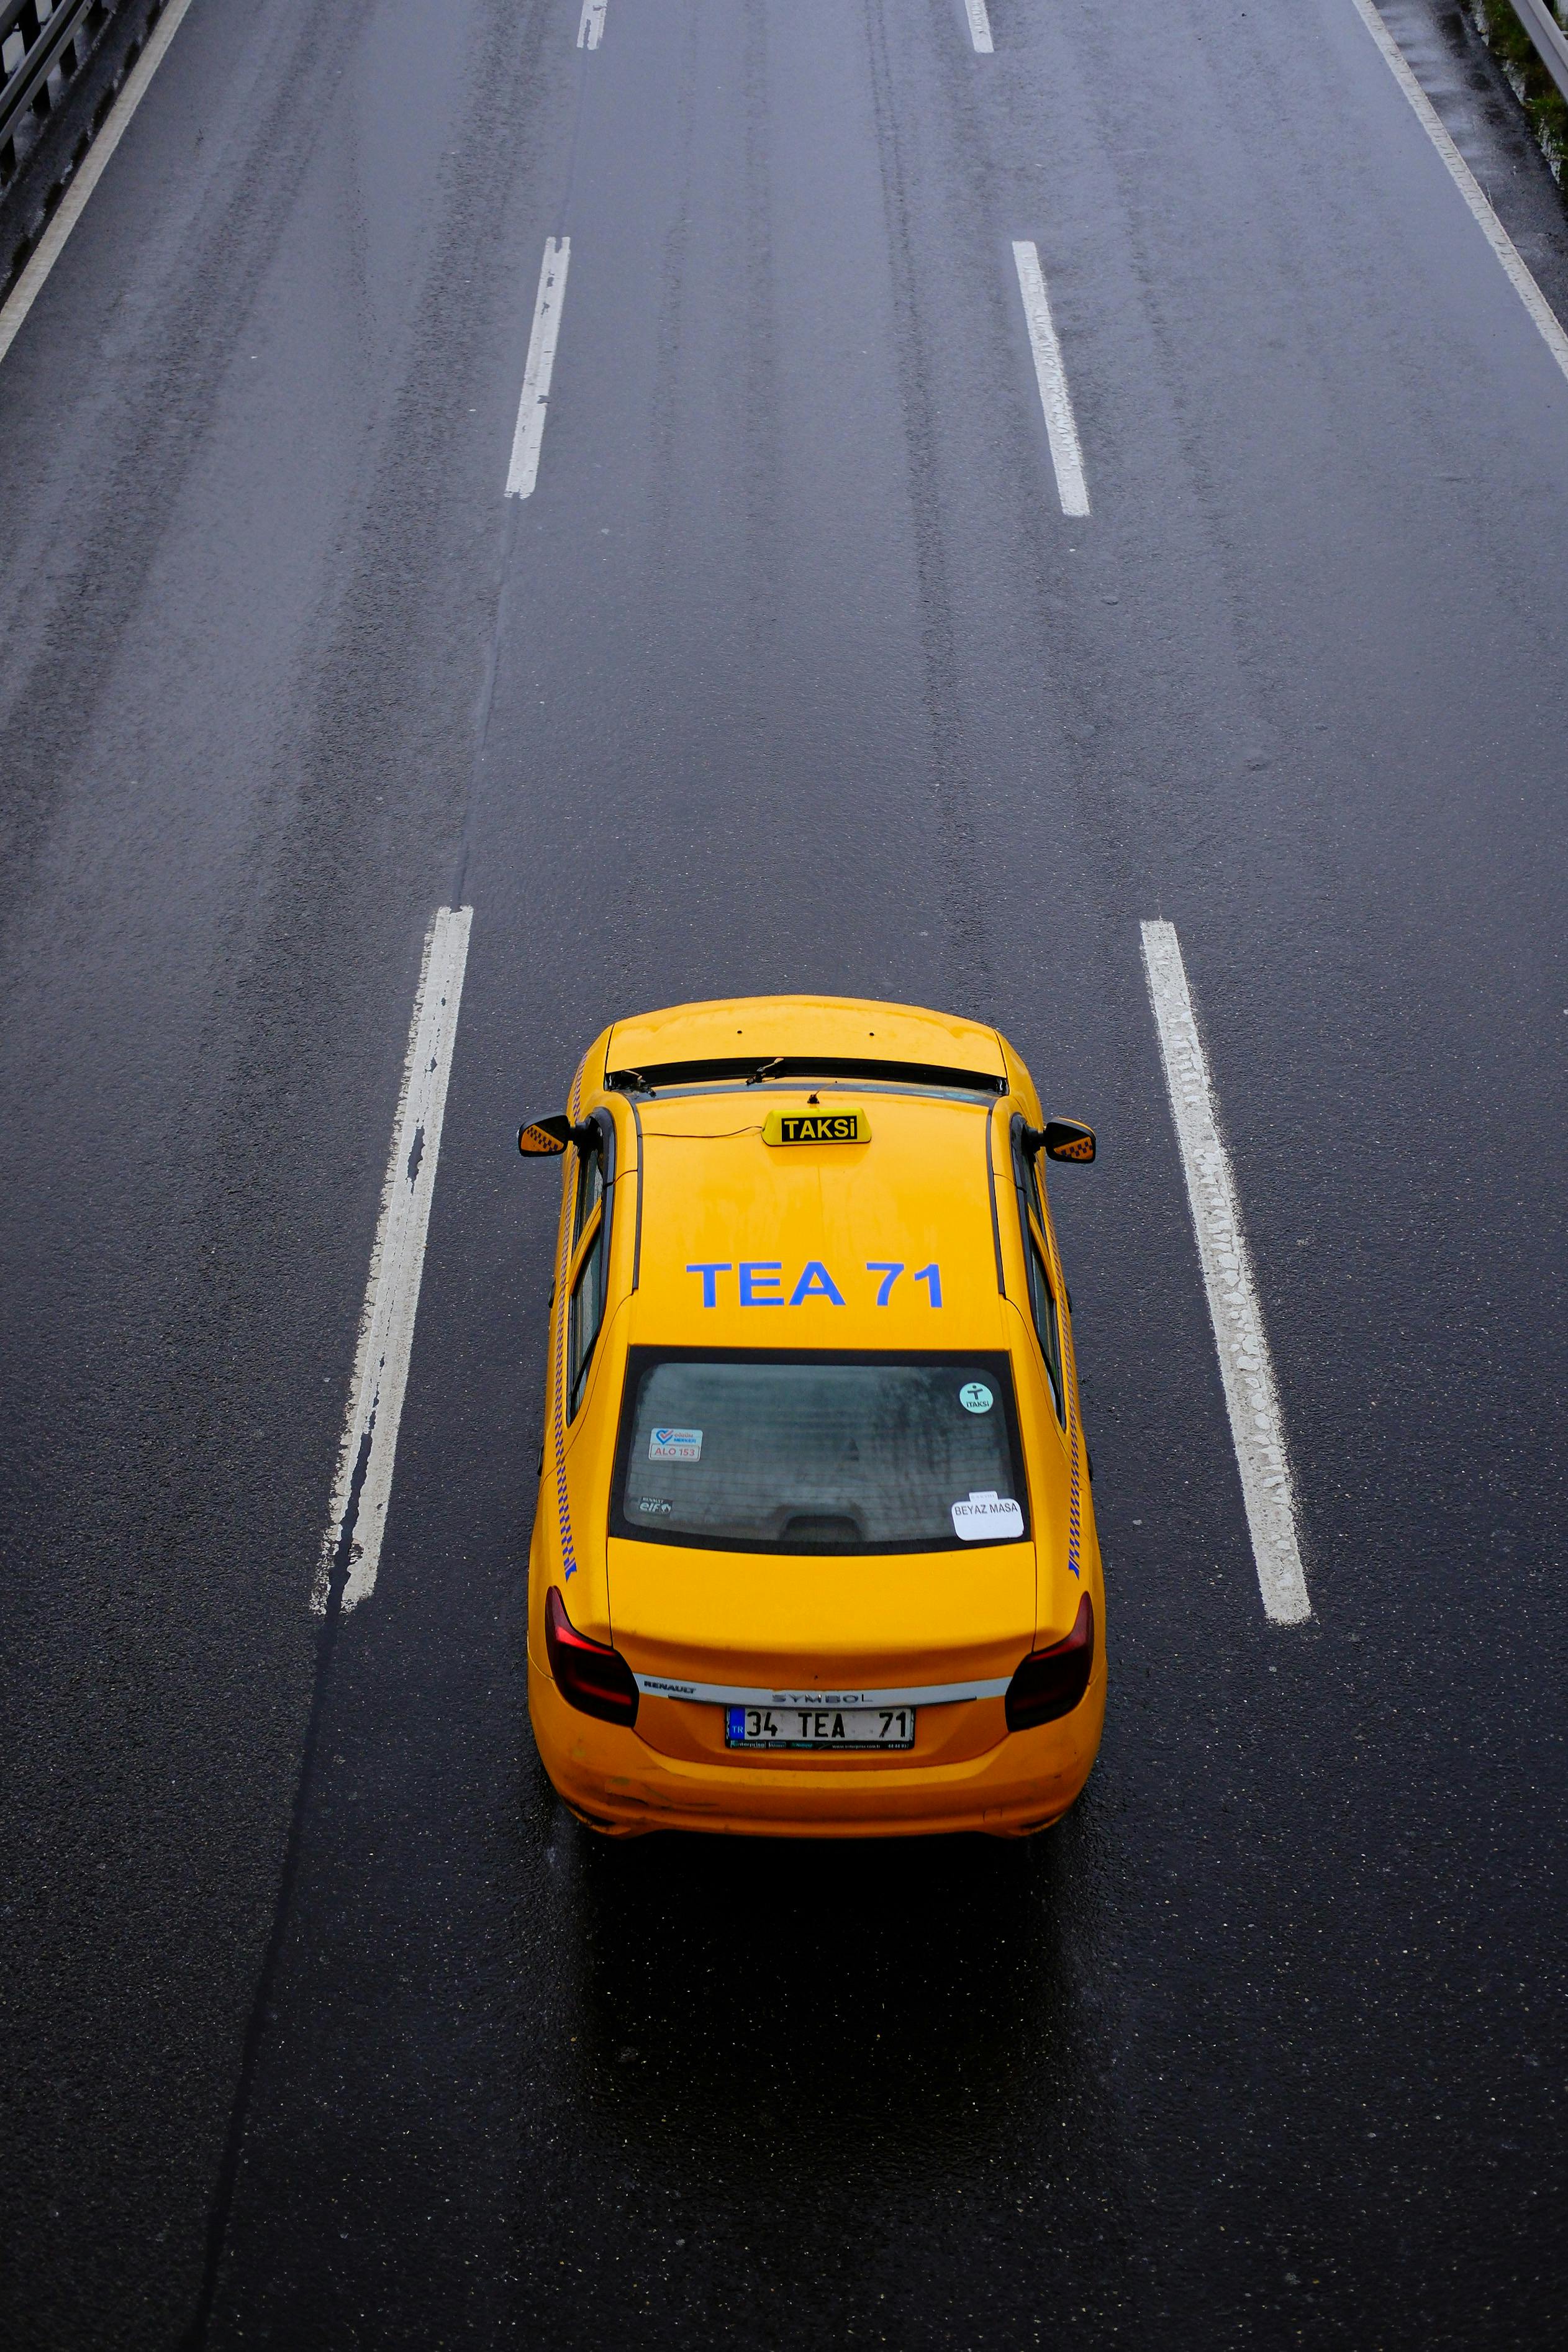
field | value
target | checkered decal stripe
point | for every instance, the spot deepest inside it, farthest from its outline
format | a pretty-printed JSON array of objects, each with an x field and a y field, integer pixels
[
  {"x": 1074, "y": 1440},
  {"x": 563, "y": 1320}
]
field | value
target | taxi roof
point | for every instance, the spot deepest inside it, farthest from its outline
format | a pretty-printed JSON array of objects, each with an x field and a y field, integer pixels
[
  {"x": 733, "y": 1035},
  {"x": 885, "y": 1243}
]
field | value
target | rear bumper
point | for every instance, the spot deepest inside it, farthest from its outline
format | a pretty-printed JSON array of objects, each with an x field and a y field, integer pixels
[{"x": 619, "y": 1784}]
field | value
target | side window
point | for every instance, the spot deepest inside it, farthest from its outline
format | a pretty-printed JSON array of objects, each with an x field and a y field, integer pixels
[
  {"x": 1043, "y": 1307},
  {"x": 590, "y": 1192},
  {"x": 1041, "y": 1298},
  {"x": 586, "y": 1313},
  {"x": 588, "y": 1275}
]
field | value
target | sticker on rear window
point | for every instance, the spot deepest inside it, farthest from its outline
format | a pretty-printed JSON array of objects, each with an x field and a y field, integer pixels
[
  {"x": 975, "y": 1397},
  {"x": 676, "y": 1445},
  {"x": 987, "y": 1516}
]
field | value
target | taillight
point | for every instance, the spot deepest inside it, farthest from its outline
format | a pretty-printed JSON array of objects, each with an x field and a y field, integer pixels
[
  {"x": 590, "y": 1676},
  {"x": 1051, "y": 1682}
]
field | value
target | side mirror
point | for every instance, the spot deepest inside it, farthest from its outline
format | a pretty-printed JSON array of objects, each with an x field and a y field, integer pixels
[
  {"x": 1062, "y": 1139},
  {"x": 546, "y": 1139}
]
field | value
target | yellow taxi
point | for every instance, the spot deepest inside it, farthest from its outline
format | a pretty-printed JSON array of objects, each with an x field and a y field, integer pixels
[{"x": 814, "y": 1554}]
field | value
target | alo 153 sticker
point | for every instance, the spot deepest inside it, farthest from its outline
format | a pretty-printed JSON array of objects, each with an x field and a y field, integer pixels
[{"x": 676, "y": 1445}]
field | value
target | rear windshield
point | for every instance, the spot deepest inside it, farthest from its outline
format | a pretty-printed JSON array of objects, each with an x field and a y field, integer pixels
[{"x": 746, "y": 1452}]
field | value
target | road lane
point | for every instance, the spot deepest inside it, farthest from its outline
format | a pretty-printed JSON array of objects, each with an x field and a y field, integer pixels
[
  {"x": 1508, "y": 260},
  {"x": 31, "y": 278},
  {"x": 799, "y": 680},
  {"x": 1195, "y": 2057},
  {"x": 246, "y": 614}
]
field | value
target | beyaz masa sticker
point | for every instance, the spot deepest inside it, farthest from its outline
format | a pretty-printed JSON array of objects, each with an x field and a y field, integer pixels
[{"x": 987, "y": 1516}]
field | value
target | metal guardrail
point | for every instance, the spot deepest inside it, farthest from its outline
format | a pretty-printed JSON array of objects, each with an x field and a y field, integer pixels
[
  {"x": 49, "y": 39},
  {"x": 1547, "y": 36}
]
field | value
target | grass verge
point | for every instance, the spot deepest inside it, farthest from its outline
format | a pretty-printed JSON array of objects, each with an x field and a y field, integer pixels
[{"x": 1539, "y": 94}]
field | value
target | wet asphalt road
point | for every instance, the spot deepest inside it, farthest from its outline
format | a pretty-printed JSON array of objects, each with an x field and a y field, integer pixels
[{"x": 325, "y": 2024}]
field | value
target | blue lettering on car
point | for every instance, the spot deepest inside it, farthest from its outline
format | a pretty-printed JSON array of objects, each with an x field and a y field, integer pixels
[
  {"x": 710, "y": 1275},
  {"x": 761, "y": 1281}
]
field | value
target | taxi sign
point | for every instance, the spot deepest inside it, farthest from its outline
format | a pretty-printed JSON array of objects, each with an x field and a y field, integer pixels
[{"x": 816, "y": 1127}]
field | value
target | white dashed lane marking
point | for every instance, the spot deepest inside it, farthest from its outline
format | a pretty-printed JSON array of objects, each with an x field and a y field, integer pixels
[
  {"x": 362, "y": 1492},
  {"x": 1251, "y": 1400},
  {"x": 530, "y": 436},
  {"x": 1061, "y": 426},
  {"x": 979, "y": 25},
  {"x": 590, "y": 31}
]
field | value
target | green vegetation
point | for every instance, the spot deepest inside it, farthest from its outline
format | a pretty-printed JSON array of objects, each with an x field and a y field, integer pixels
[{"x": 1538, "y": 93}]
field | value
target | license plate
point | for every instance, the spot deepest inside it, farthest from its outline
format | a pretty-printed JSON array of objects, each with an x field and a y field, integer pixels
[{"x": 818, "y": 1727}]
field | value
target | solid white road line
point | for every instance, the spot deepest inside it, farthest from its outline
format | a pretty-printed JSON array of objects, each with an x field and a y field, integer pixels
[
  {"x": 1245, "y": 1367},
  {"x": 1465, "y": 180},
  {"x": 530, "y": 432},
  {"x": 979, "y": 25},
  {"x": 590, "y": 31},
  {"x": 1061, "y": 429},
  {"x": 26, "y": 291},
  {"x": 364, "y": 1483}
]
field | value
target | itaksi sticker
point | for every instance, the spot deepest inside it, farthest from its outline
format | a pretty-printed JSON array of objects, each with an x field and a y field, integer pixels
[
  {"x": 975, "y": 1397},
  {"x": 987, "y": 1516},
  {"x": 676, "y": 1445}
]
